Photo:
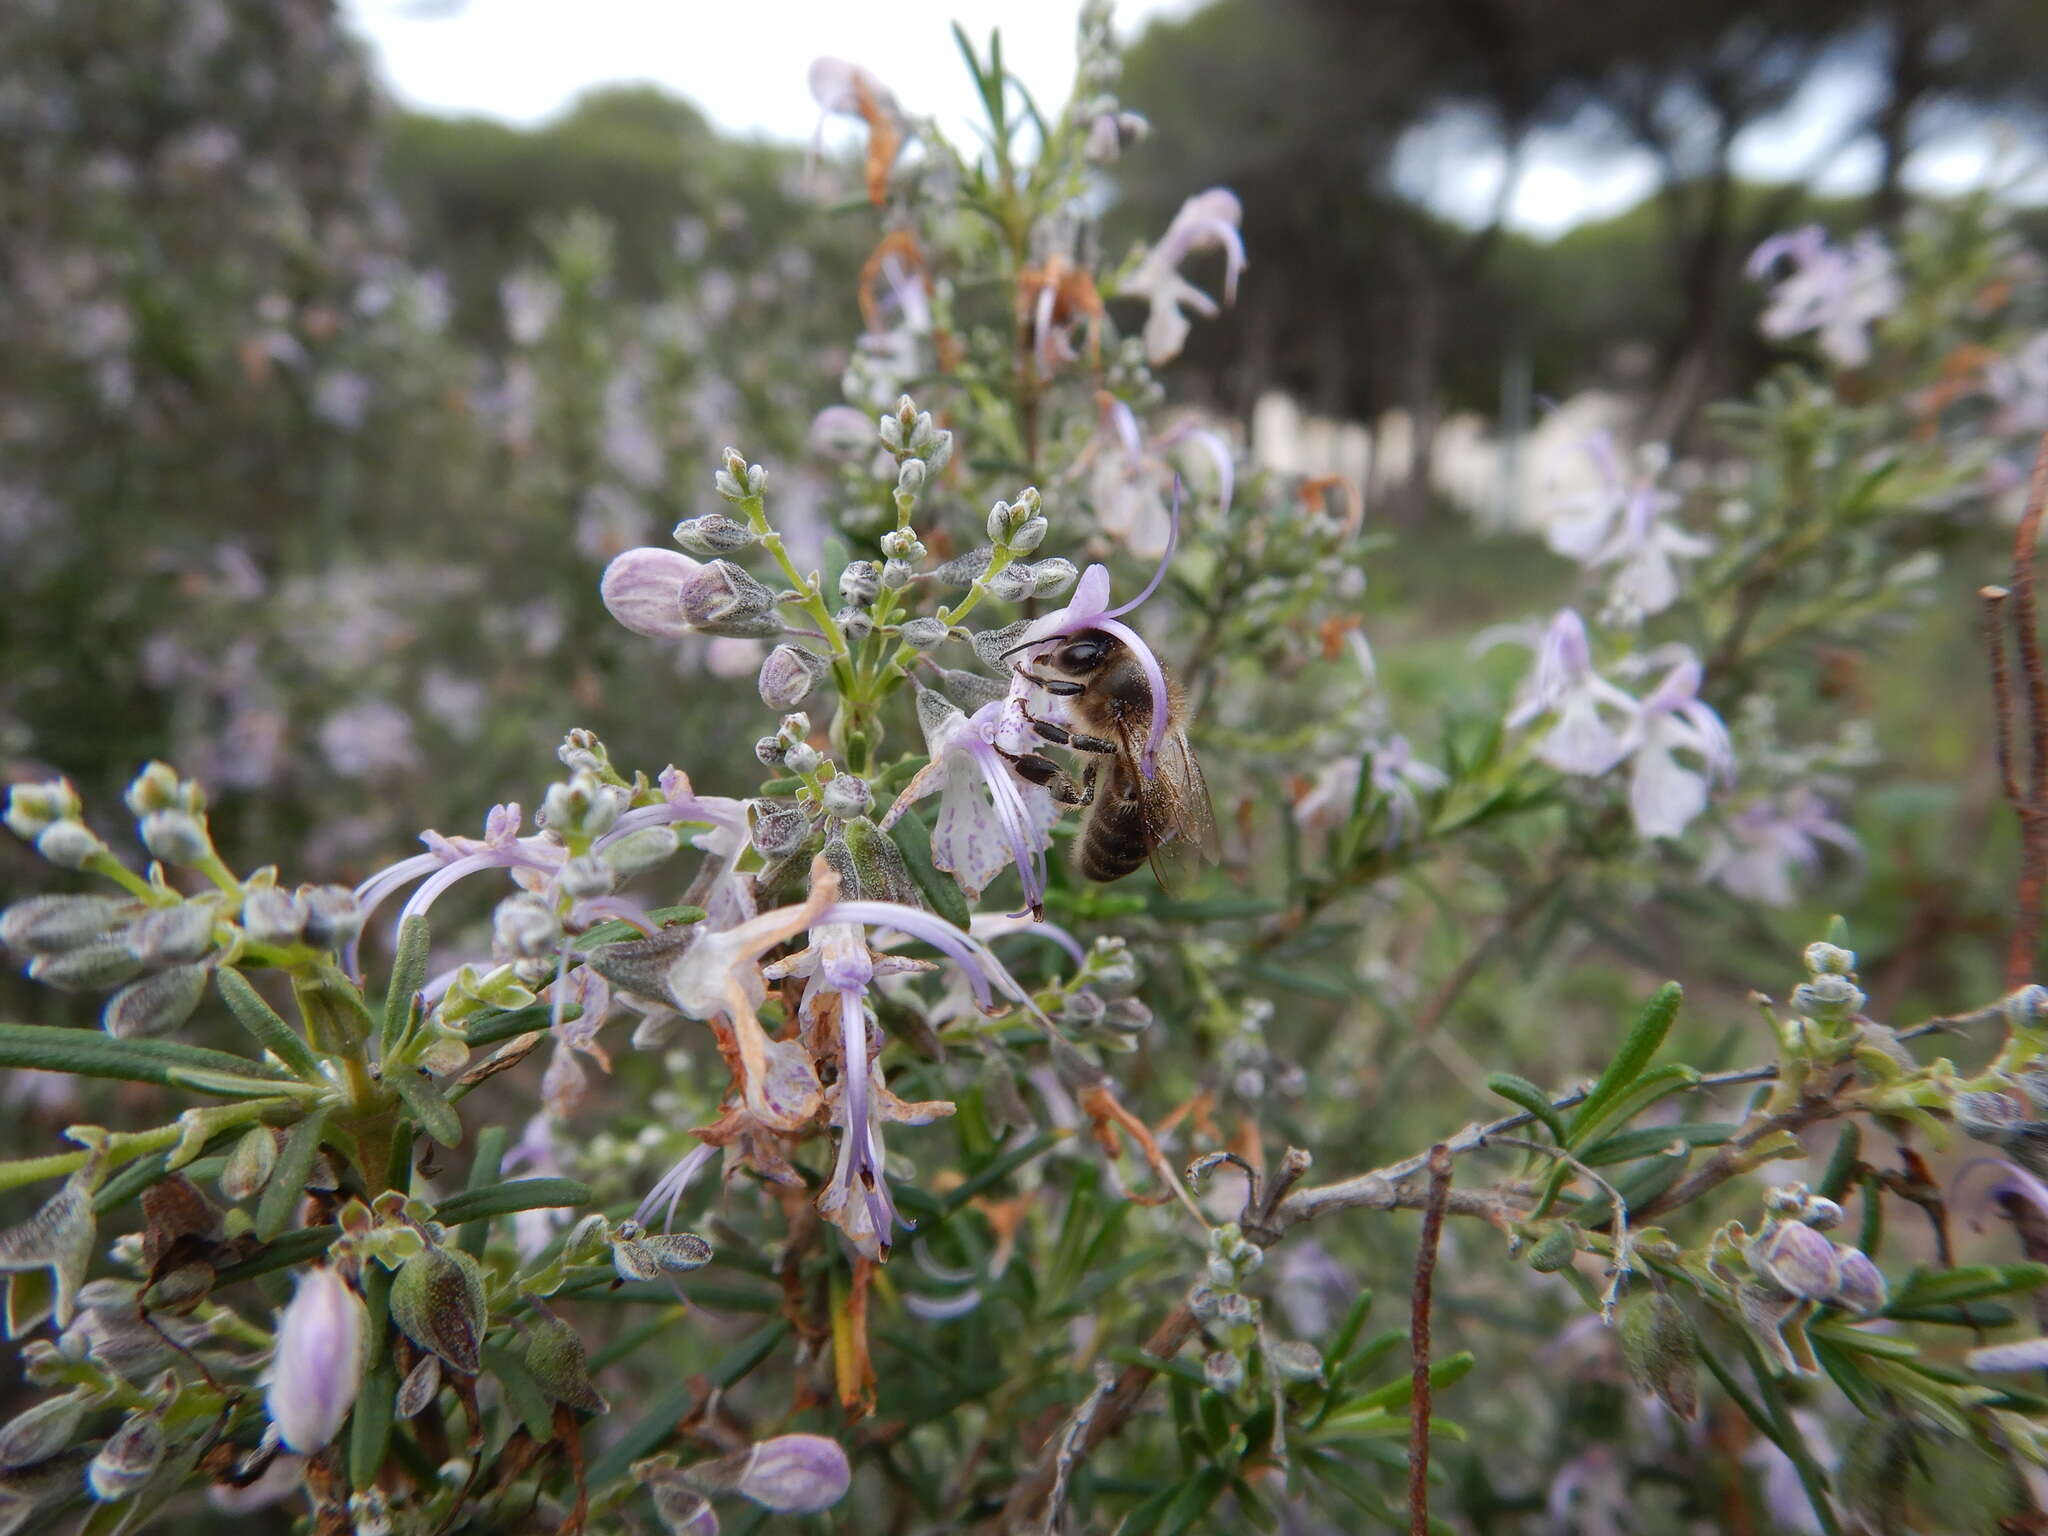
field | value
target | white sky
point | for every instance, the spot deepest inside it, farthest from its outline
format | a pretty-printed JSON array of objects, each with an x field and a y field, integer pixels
[{"x": 745, "y": 66}]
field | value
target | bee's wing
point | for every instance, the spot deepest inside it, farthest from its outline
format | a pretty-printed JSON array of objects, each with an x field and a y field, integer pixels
[{"x": 1178, "y": 815}]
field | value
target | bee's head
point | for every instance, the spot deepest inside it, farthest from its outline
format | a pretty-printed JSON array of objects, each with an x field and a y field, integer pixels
[{"x": 1084, "y": 654}]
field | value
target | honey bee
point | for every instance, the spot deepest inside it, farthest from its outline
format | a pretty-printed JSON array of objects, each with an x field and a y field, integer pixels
[{"x": 1131, "y": 819}]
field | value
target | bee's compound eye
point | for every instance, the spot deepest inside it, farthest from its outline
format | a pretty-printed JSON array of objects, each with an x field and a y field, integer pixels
[{"x": 1083, "y": 655}]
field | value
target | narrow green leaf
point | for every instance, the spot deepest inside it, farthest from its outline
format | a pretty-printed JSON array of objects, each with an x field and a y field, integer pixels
[
  {"x": 408, "y": 975},
  {"x": 497, "y": 1024},
  {"x": 1657, "y": 1083},
  {"x": 1968, "y": 1284},
  {"x": 1843, "y": 1164},
  {"x": 483, "y": 1173},
  {"x": 88, "y": 1053},
  {"x": 1186, "y": 1370},
  {"x": 1637, "y": 1047},
  {"x": 513, "y": 1195},
  {"x": 287, "y": 1184},
  {"x": 1525, "y": 1095},
  {"x": 1443, "y": 1373},
  {"x": 430, "y": 1107},
  {"x": 1347, "y": 1332},
  {"x": 914, "y": 841},
  {"x": 265, "y": 1024},
  {"x": 522, "y": 1394},
  {"x": 1196, "y": 1495},
  {"x": 1006, "y": 1163},
  {"x": 618, "y": 929},
  {"x": 290, "y": 1249},
  {"x": 1627, "y": 1146},
  {"x": 370, "y": 1423}
]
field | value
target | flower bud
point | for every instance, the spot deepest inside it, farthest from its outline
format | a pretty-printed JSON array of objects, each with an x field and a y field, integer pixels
[
  {"x": 69, "y": 844},
  {"x": 271, "y": 916},
  {"x": 155, "y": 1005},
  {"x": 2027, "y": 1008},
  {"x": 681, "y": 1509},
  {"x": 643, "y": 590},
  {"x": 737, "y": 480},
  {"x": 50, "y": 925},
  {"x": 714, "y": 535},
  {"x": 1012, "y": 584},
  {"x": 40, "y": 1433},
  {"x": 1992, "y": 1117},
  {"x": 1295, "y": 1360},
  {"x": 1662, "y": 1351},
  {"x": 860, "y": 582},
  {"x": 176, "y": 836},
  {"x": 789, "y": 674},
  {"x": 158, "y": 788},
  {"x": 1830, "y": 960},
  {"x": 318, "y": 1366},
  {"x": 896, "y": 574},
  {"x": 89, "y": 968},
  {"x": 1861, "y": 1289},
  {"x": 1050, "y": 578},
  {"x": 437, "y": 1298},
  {"x": 586, "y": 877},
  {"x": 1000, "y": 521},
  {"x": 855, "y": 623},
  {"x": 848, "y": 796},
  {"x": 333, "y": 916},
  {"x": 795, "y": 1474},
  {"x": 1223, "y": 1371},
  {"x": 925, "y": 634},
  {"x": 1029, "y": 535},
  {"x": 1821, "y": 1213},
  {"x": 1796, "y": 1260},
  {"x": 768, "y": 752},
  {"x": 722, "y": 599},
  {"x": 560, "y": 1367},
  {"x": 779, "y": 829},
  {"x": 129, "y": 1458},
  {"x": 903, "y": 544},
  {"x": 1829, "y": 999},
  {"x": 910, "y": 477},
  {"x": 33, "y": 808},
  {"x": 964, "y": 569},
  {"x": 173, "y": 935},
  {"x": 801, "y": 758},
  {"x": 250, "y": 1164},
  {"x": 638, "y": 852},
  {"x": 638, "y": 1254},
  {"x": 526, "y": 927}
]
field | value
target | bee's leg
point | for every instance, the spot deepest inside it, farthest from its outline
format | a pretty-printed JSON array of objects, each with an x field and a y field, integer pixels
[
  {"x": 1059, "y": 687},
  {"x": 1048, "y": 775},
  {"x": 1060, "y": 736}
]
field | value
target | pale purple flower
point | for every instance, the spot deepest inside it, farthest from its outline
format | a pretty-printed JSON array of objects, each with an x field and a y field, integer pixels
[
  {"x": 1624, "y": 523},
  {"x": 1564, "y": 686},
  {"x": 1834, "y": 291},
  {"x": 318, "y": 1366},
  {"x": 1207, "y": 220},
  {"x": 630, "y": 444},
  {"x": 1665, "y": 794},
  {"x": 796, "y": 1474},
  {"x": 453, "y": 702},
  {"x": 989, "y": 818},
  {"x": 368, "y": 739},
  {"x": 1762, "y": 850},
  {"x": 1397, "y": 776},
  {"x": 341, "y": 398},
  {"x": 643, "y": 590},
  {"x": 530, "y": 302},
  {"x": 2020, "y": 1355},
  {"x": 1130, "y": 479}
]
